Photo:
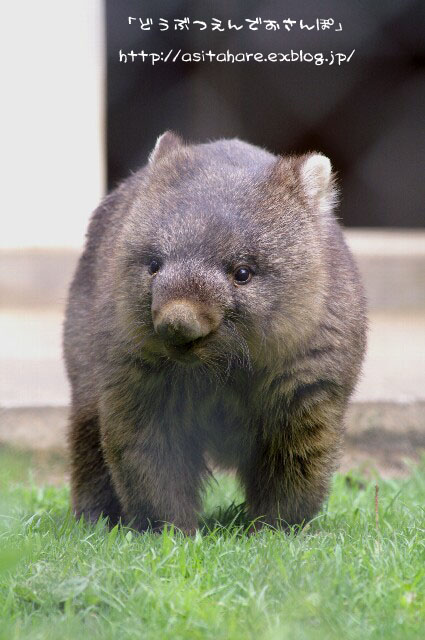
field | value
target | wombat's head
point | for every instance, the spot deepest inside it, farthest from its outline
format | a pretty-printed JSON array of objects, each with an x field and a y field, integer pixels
[{"x": 221, "y": 253}]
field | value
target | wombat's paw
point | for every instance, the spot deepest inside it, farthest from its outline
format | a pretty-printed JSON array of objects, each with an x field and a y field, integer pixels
[
  {"x": 188, "y": 531},
  {"x": 91, "y": 516},
  {"x": 256, "y": 525},
  {"x": 185, "y": 529},
  {"x": 157, "y": 526},
  {"x": 276, "y": 524}
]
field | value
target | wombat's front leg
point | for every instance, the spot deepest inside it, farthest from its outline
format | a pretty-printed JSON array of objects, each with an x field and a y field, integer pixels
[
  {"x": 156, "y": 469},
  {"x": 92, "y": 492},
  {"x": 288, "y": 475}
]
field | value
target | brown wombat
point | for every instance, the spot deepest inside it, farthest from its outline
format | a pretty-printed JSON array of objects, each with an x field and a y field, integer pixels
[{"x": 216, "y": 316}]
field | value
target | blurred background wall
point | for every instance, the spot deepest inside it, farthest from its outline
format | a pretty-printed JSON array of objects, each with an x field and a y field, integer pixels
[
  {"x": 52, "y": 120},
  {"x": 67, "y": 135},
  {"x": 74, "y": 121}
]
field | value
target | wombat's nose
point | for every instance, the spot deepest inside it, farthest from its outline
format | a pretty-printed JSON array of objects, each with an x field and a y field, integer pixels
[{"x": 179, "y": 323}]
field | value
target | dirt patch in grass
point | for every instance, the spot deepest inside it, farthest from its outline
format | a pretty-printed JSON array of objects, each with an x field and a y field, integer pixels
[
  {"x": 380, "y": 436},
  {"x": 51, "y": 466}
]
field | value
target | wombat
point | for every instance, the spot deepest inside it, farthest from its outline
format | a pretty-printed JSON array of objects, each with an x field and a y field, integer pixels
[{"x": 216, "y": 319}]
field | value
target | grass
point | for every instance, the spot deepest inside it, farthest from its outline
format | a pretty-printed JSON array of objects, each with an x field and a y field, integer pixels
[{"x": 342, "y": 577}]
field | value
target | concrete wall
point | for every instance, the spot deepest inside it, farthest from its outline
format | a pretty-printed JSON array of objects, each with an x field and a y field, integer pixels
[{"x": 392, "y": 264}]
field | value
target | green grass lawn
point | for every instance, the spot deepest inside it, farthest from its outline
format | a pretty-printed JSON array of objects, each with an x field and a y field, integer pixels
[{"x": 342, "y": 577}]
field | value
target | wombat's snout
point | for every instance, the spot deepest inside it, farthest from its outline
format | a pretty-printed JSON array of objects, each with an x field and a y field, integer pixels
[{"x": 181, "y": 322}]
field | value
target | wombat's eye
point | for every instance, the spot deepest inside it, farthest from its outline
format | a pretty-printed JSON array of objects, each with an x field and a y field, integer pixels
[
  {"x": 154, "y": 266},
  {"x": 242, "y": 275}
]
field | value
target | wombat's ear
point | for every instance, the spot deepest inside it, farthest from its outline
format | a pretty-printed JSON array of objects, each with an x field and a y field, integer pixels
[
  {"x": 167, "y": 142},
  {"x": 313, "y": 172},
  {"x": 316, "y": 175}
]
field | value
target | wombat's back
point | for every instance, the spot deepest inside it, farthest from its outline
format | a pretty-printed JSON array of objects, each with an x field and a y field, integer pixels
[{"x": 81, "y": 352}]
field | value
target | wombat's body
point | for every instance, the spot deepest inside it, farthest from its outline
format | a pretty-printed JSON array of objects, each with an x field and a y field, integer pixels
[{"x": 216, "y": 317}]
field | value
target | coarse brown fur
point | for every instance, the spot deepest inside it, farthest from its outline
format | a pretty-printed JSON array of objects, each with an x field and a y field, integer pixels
[{"x": 175, "y": 364}]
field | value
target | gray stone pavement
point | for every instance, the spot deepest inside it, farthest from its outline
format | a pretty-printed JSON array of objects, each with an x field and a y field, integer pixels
[
  {"x": 385, "y": 423},
  {"x": 386, "y": 420},
  {"x": 391, "y": 261},
  {"x": 32, "y": 372}
]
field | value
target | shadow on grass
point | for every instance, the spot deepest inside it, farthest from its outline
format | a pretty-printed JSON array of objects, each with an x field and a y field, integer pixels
[{"x": 226, "y": 518}]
